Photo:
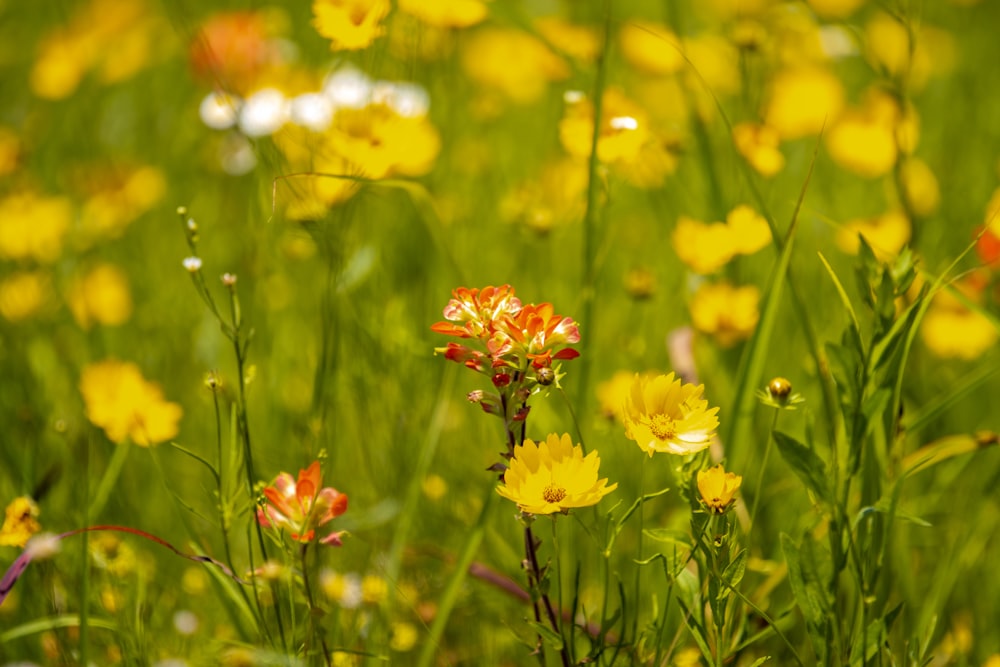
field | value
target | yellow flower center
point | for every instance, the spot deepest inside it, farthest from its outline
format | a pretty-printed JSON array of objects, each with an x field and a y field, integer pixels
[
  {"x": 662, "y": 427},
  {"x": 553, "y": 493}
]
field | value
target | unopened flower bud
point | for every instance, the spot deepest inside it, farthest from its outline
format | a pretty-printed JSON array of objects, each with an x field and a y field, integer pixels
[
  {"x": 213, "y": 381},
  {"x": 192, "y": 264},
  {"x": 780, "y": 388},
  {"x": 545, "y": 376},
  {"x": 229, "y": 279},
  {"x": 501, "y": 380},
  {"x": 182, "y": 211}
]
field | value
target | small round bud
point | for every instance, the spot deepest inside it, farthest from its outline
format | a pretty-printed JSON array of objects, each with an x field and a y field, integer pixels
[
  {"x": 182, "y": 210},
  {"x": 779, "y": 388},
  {"x": 213, "y": 381},
  {"x": 545, "y": 376},
  {"x": 229, "y": 279},
  {"x": 640, "y": 283},
  {"x": 475, "y": 396},
  {"x": 192, "y": 225},
  {"x": 192, "y": 264}
]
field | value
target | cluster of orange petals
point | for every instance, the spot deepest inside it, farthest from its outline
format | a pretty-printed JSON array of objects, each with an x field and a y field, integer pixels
[
  {"x": 302, "y": 505},
  {"x": 511, "y": 333}
]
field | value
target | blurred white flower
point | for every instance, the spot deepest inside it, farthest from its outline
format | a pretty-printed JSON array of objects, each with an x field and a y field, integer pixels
[
  {"x": 263, "y": 113},
  {"x": 311, "y": 110},
  {"x": 348, "y": 87},
  {"x": 219, "y": 111}
]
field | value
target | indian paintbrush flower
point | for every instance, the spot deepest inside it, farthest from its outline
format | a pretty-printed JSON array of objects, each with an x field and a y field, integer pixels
[
  {"x": 553, "y": 476},
  {"x": 302, "y": 506},
  {"x": 718, "y": 488},
  {"x": 663, "y": 414}
]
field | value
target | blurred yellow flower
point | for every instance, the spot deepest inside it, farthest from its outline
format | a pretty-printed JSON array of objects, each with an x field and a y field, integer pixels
[
  {"x": 864, "y": 140},
  {"x": 512, "y": 63},
  {"x": 20, "y": 522},
  {"x": 624, "y": 128},
  {"x": 651, "y": 47},
  {"x": 913, "y": 53},
  {"x": 802, "y": 99},
  {"x": 23, "y": 294},
  {"x": 373, "y": 589},
  {"x": 759, "y": 145},
  {"x": 404, "y": 637},
  {"x": 920, "y": 186},
  {"x": 350, "y": 25},
  {"x": 119, "y": 198},
  {"x": 576, "y": 41},
  {"x": 886, "y": 234},
  {"x": 951, "y": 329},
  {"x": 554, "y": 197},
  {"x": 611, "y": 393},
  {"x": 553, "y": 476},
  {"x": 120, "y": 401},
  {"x": 718, "y": 488},
  {"x": 727, "y": 313},
  {"x": 70, "y": 52},
  {"x": 749, "y": 230},
  {"x": 446, "y": 13},
  {"x": 706, "y": 248},
  {"x": 835, "y": 9},
  {"x": 101, "y": 296},
  {"x": 434, "y": 486},
  {"x": 664, "y": 415},
  {"x": 379, "y": 142},
  {"x": 33, "y": 226}
]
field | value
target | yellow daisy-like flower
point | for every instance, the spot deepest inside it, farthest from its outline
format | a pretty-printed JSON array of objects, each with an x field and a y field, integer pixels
[
  {"x": 350, "y": 25},
  {"x": 20, "y": 522},
  {"x": 128, "y": 407},
  {"x": 553, "y": 476},
  {"x": 718, "y": 488},
  {"x": 664, "y": 415}
]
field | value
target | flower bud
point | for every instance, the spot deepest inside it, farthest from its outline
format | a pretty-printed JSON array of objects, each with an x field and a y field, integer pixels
[{"x": 780, "y": 388}]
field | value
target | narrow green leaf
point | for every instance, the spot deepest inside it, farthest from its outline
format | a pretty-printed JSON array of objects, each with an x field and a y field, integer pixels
[
  {"x": 548, "y": 635},
  {"x": 760, "y": 661},
  {"x": 669, "y": 536},
  {"x": 805, "y": 463},
  {"x": 53, "y": 623},
  {"x": 844, "y": 299},
  {"x": 733, "y": 574}
]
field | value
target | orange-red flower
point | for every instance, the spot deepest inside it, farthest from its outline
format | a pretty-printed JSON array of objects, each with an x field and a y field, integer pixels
[
  {"x": 537, "y": 330},
  {"x": 302, "y": 506},
  {"x": 476, "y": 310}
]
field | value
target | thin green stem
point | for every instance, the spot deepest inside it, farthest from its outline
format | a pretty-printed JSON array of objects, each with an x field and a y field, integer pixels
[{"x": 758, "y": 490}]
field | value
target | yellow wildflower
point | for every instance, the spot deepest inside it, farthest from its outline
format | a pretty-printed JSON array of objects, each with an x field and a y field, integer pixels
[
  {"x": 32, "y": 226},
  {"x": 664, "y": 415},
  {"x": 912, "y": 53},
  {"x": 373, "y": 589},
  {"x": 611, "y": 393},
  {"x": 704, "y": 248},
  {"x": 951, "y": 329},
  {"x": 802, "y": 99},
  {"x": 119, "y": 198},
  {"x": 835, "y": 9},
  {"x": 350, "y": 25},
  {"x": 759, "y": 145},
  {"x": 863, "y": 144},
  {"x": 920, "y": 186},
  {"x": 511, "y": 62},
  {"x": 23, "y": 294},
  {"x": 749, "y": 230},
  {"x": 445, "y": 13},
  {"x": 727, "y": 313},
  {"x": 718, "y": 488},
  {"x": 20, "y": 522},
  {"x": 553, "y": 476},
  {"x": 101, "y": 296},
  {"x": 651, "y": 47},
  {"x": 624, "y": 128},
  {"x": 404, "y": 637},
  {"x": 575, "y": 41},
  {"x": 886, "y": 234},
  {"x": 125, "y": 405},
  {"x": 555, "y": 196}
]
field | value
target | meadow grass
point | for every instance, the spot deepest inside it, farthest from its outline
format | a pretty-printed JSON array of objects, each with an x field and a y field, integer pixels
[{"x": 205, "y": 289}]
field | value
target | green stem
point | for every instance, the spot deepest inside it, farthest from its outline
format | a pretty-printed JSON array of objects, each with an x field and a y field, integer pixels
[
  {"x": 109, "y": 479},
  {"x": 758, "y": 490},
  {"x": 454, "y": 587}
]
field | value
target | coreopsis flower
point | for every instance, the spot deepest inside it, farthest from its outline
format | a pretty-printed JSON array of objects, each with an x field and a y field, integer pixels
[
  {"x": 886, "y": 234},
  {"x": 553, "y": 476},
  {"x": 32, "y": 226},
  {"x": 623, "y": 133},
  {"x": 350, "y": 25},
  {"x": 718, "y": 488},
  {"x": 101, "y": 296},
  {"x": 20, "y": 522},
  {"x": 23, "y": 294},
  {"x": 951, "y": 329},
  {"x": 651, "y": 48},
  {"x": 446, "y": 13},
  {"x": 727, "y": 313},
  {"x": 778, "y": 394},
  {"x": 919, "y": 186},
  {"x": 663, "y": 414},
  {"x": 759, "y": 145},
  {"x": 802, "y": 100},
  {"x": 511, "y": 62},
  {"x": 302, "y": 505},
  {"x": 707, "y": 247},
  {"x": 120, "y": 401}
]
